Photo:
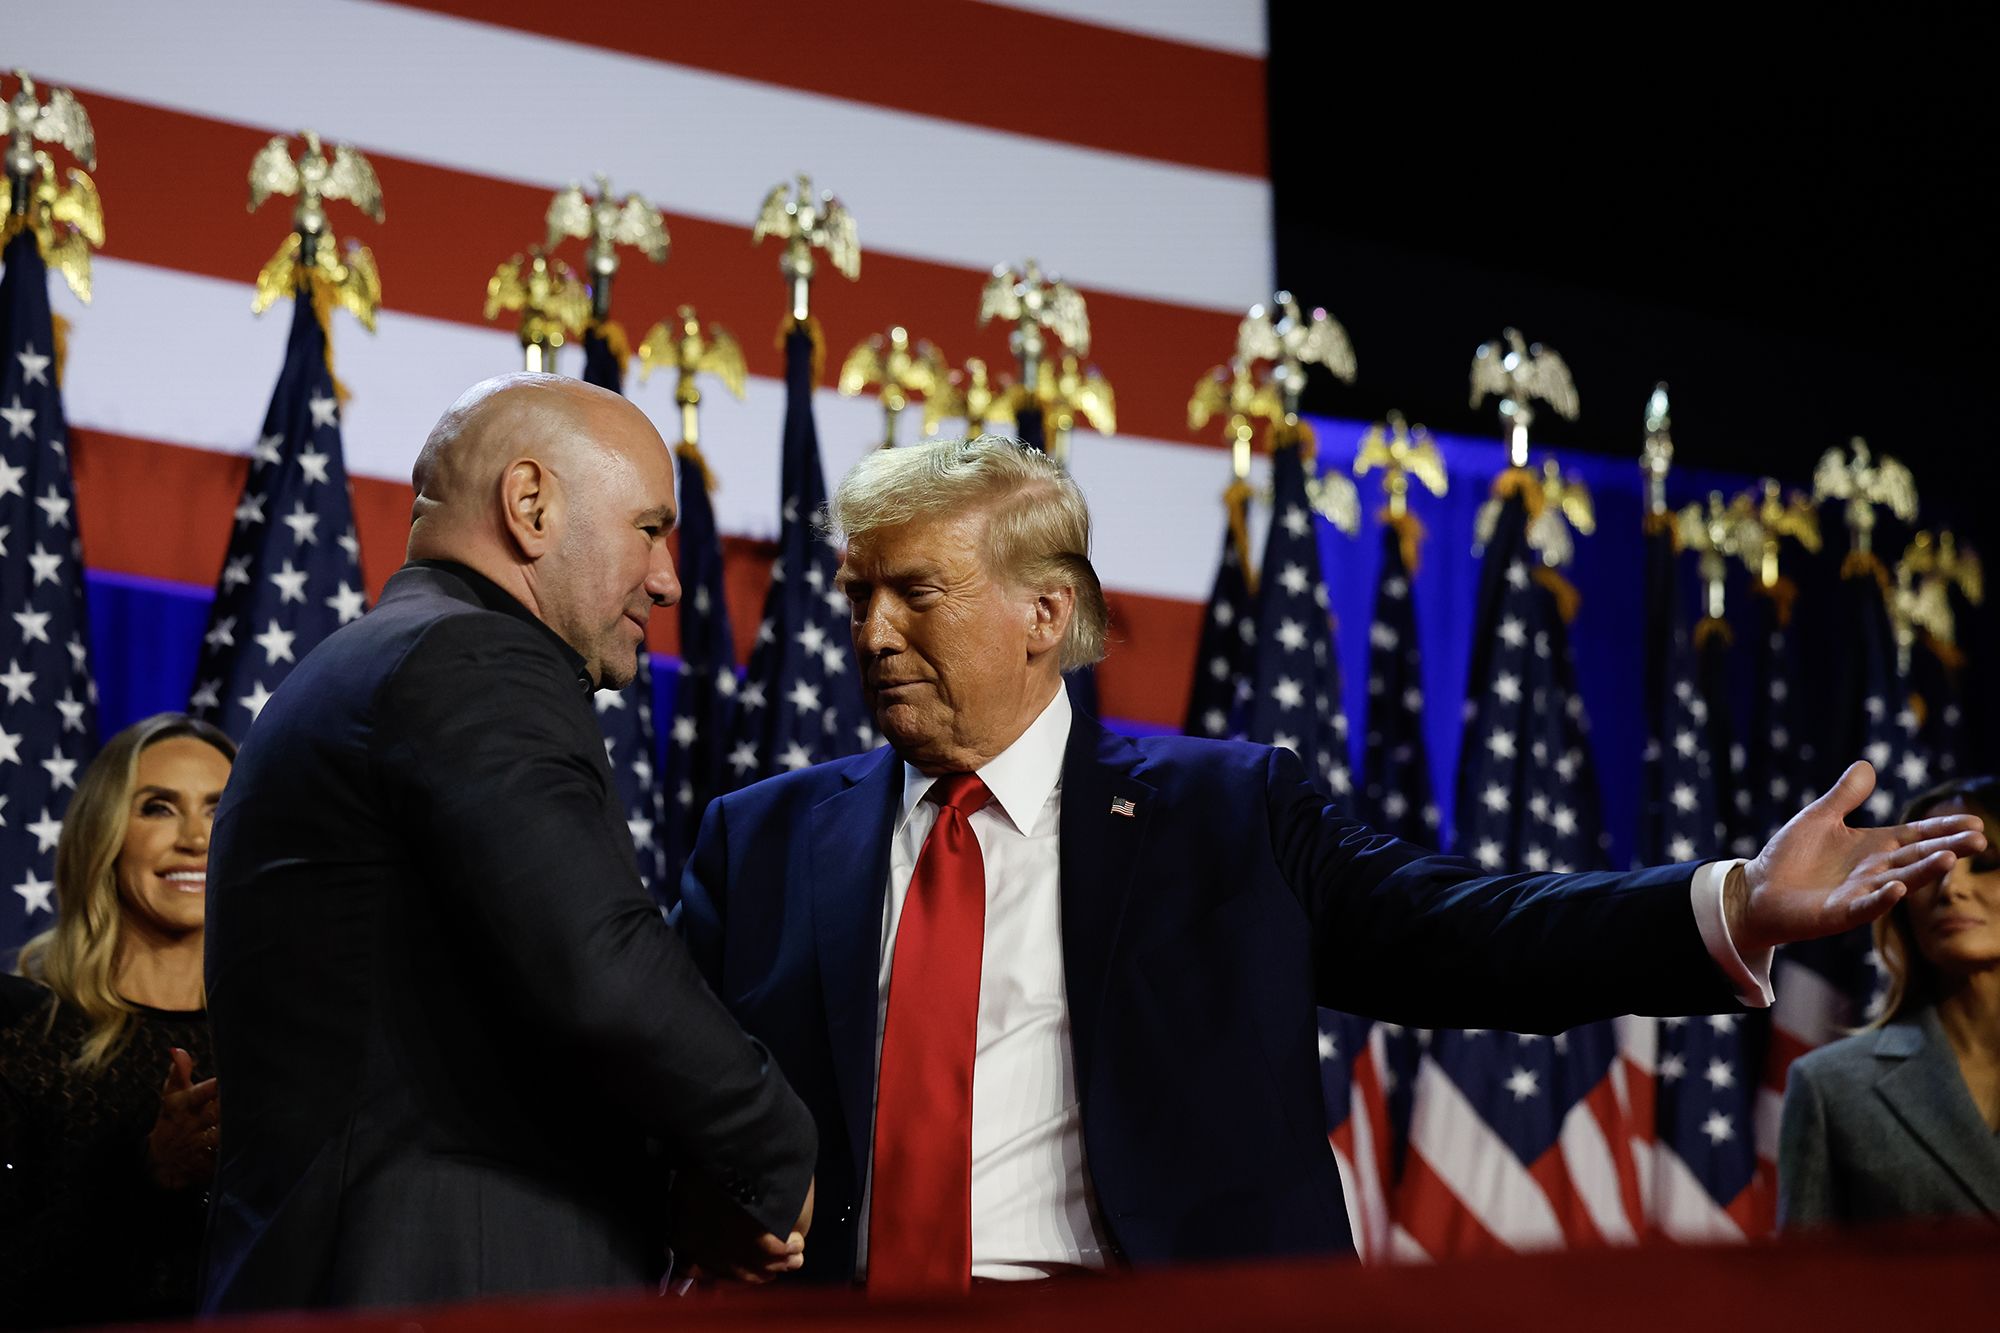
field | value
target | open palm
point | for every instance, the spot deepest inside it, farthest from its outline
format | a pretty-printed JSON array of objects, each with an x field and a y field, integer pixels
[{"x": 1817, "y": 876}]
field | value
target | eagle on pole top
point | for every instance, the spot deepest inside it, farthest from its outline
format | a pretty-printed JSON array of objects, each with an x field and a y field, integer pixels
[
  {"x": 805, "y": 222},
  {"x": 64, "y": 213},
  {"x": 682, "y": 343},
  {"x": 1517, "y": 373},
  {"x": 310, "y": 254},
  {"x": 603, "y": 224},
  {"x": 1039, "y": 306},
  {"x": 1863, "y": 482},
  {"x": 1292, "y": 340}
]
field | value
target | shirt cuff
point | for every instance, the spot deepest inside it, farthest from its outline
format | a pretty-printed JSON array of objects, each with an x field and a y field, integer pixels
[{"x": 1751, "y": 977}]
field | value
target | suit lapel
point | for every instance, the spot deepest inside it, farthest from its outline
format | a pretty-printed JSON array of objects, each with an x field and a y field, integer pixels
[
  {"x": 850, "y": 870},
  {"x": 1924, "y": 1088},
  {"x": 1106, "y": 817}
]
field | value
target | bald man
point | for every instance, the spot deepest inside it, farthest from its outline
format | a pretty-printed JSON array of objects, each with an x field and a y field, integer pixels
[{"x": 463, "y": 1052}]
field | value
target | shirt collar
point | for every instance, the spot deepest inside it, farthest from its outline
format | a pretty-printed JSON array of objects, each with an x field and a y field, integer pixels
[
  {"x": 1020, "y": 776},
  {"x": 496, "y": 598}
]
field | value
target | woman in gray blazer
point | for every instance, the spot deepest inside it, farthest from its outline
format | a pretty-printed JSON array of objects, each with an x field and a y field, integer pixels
[{"x": 1902, "y": 1119}]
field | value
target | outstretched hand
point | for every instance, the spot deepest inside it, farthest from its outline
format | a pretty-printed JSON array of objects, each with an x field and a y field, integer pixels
[{"x": 1816, "y": 876}]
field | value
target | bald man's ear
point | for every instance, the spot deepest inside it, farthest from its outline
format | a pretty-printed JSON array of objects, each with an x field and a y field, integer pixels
[
  {"x": 528, "y": 503},
  {"x": 1050, "y": 615}
]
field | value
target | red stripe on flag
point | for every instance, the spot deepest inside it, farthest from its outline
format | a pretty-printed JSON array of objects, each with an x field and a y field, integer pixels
[
  {"x": 448, "y": 230},
  {"x": 1119, "y": 91},
  {"x": 1436, "y": 1218},
  {"x": 125, "y": 527},
  {"x": 1603, "y": 1105},
  {"x": 1551, "y": 1172}
]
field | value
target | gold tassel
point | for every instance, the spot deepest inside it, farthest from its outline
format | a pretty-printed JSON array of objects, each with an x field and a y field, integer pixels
[
  {"x": 1236, "y": 503},
  {"x": 1664, "y": 521},
  {"x": 1524, "y": 483},
  {"x": 693, "y": 464},
  {"x": 1712, "y": 628},
  {"x": 1568, "y": 600},
  {"x": 1949, "y": 655},
  {"x": 1781, "y": 595},
  {"x": 812, "y": 330},
  {"x": 61, "y": 350},
  {"x": 615, "y": 340},
  {"x": 1409, "y": 536},
  {"x": 1860, "y": 564}
]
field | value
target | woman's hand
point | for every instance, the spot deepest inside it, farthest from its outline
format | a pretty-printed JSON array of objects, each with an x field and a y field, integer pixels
[{"x": 180, "y": 1150}]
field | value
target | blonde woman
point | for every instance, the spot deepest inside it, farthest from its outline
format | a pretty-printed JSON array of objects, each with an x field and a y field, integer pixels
[
  {"x": 1902, "y": 1119},
  {"x": 108, "y": 1122}
]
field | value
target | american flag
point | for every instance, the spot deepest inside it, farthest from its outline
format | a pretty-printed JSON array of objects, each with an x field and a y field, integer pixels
[
  {"x": 626, "y": 716},
  {"x": 1704, "y": 1184},
  {"x": 1352, "y": 1066},
  {"x": 1228, "y": 625},
  {"x": 48, "y": 703},
  {"x": 169, "y": 376},
  {"x": 705, "y": 691},
  {"x": 1294, "y": 699},
  {"x": 292, "y": 573},
  {"x": 1522, "y": 1142},
  {"x": 1396, "y": 786},
  {"x": 800, "y": 702}
]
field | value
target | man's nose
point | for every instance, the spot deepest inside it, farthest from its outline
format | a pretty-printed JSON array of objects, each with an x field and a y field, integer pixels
[
  {"x": 875, "y": 635},
  {"x": 662, "y": 584}
]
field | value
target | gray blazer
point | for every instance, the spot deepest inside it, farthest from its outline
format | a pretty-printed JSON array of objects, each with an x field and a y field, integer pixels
[{"x": 1880, "y": 1125}]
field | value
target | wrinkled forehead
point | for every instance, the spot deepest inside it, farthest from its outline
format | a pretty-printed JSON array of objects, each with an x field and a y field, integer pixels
[{"x": 947, "y": 542}]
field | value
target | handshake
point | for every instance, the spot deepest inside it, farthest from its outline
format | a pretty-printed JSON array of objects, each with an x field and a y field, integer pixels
[{"x": 715, "y": 1241}]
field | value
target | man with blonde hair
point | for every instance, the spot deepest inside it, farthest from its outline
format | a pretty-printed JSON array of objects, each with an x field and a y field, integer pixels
[{"x": 1051, "y": 992}]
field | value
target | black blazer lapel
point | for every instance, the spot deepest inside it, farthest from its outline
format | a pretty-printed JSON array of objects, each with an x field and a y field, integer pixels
[
  {"x": 850, "y": 869},
  {"x": 1922, "y": 1084},
  {"x": 1106, "y": 816}
]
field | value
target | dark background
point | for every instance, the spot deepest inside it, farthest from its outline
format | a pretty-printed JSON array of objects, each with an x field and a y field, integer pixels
[{"x": 1789, "y": 220}]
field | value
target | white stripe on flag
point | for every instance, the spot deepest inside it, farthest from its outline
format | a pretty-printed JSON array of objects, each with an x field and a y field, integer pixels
[
  {"x": 445, "y": 91},
  {"x": 1478, "y": 1166},
  {"x": 1770, "y": 1109},
  {"x": 1806, "y": 1005},
  {"x": 1593, "y": 1173},
  {"x": 1683, "y": 1209}
]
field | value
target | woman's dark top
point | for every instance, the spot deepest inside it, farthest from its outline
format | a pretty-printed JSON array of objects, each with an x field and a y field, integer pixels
[{"x": 85, "y": 1235}]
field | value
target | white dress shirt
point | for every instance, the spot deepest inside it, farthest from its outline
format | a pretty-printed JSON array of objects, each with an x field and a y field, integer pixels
[{"x": 1032, "y": 1205}]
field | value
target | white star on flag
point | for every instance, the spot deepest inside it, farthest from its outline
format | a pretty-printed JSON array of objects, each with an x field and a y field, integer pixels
[
  {"x": 312, "y": 465},
  {"x": 20, "y": 420},
  {"x": 276, "y": 643},
  {"x": 304, "y": 525},
  {"x": 323, "y": 410},
  {"x": 256, "y": 699},
  {"x": 34, "y": 366}
]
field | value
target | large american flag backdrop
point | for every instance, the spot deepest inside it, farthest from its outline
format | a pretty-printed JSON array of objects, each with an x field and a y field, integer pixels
[{"x": 1150, "y": 194}]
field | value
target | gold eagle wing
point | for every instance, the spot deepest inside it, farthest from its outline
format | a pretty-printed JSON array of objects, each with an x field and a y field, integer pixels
[{"x": 272, "y": 171}]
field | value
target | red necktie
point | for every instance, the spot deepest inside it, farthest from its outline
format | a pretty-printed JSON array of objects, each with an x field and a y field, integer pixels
[{"x": 920, "y": 1211}]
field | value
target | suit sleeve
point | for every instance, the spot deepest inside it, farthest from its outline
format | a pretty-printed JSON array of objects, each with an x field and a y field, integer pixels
[
  {"x": 1414, "y": 937},
  {"x": 699, "y": 916},
  {"x": 1805, "y": 1162},
  {"x": 481, "y": 736}
]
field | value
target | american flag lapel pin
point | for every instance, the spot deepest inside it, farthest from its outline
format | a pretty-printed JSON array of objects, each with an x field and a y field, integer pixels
[{"x": 1122, "y": 806}]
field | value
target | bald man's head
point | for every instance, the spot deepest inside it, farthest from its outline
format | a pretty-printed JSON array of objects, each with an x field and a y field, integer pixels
[{"x": 563, "y": 494}]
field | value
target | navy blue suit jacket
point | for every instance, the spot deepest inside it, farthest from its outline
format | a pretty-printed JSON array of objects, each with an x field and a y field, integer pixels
[{"x": 1199, "y": 934}]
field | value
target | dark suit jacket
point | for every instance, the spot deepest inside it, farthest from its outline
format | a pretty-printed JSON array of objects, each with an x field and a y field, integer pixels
[
  {"x": 1879, "y": 1126},
  {"x": 450, "y": 1026},
  {"x": 1199, "y": 934}
]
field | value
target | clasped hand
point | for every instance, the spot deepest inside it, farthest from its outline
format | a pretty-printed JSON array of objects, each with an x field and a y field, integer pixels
[{"x": 180, "y": 1149}]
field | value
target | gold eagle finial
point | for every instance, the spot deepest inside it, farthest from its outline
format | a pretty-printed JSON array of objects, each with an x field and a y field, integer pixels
[
  {"x": 1517, "y": 373},
  {"x": 64, "y": 212},
  {"x": 897, "y": 370},
  {"x": 1401, "y": 452},
  {"x": 1234, "y": 390},
  {"x": 805, "y": 221},
  {"x": 554, "y": 304},
  {"x": 969, "y": 394},
  {"x": 1863, "y": 483},
  {"x": 1040, "y": 307},
  {"x": 1718, "y": 532},
  {"x": 1291, "y": 341},
  {"x": 685, "y": 345},
  {"x": 1070, "y": 391},
  {"x": 603, "y": 224},
  {"x": 310, "y": 256}
]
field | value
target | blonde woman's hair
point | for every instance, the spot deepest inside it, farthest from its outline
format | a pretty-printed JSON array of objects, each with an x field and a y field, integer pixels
[
  {"x": 1911, "y": 982},
  {"x": 1039, "y": 533},
  {"x": 77, "y": 958}
]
